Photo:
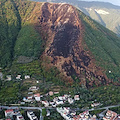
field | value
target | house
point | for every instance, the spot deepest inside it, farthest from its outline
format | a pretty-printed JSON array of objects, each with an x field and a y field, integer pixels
[
  {"x": 110, "y": 115},
  {"x": 28, "y": 99},
  {"x": 51, "y": 93},
  {"x": 54, "y": 105},
  {"x": 72, "y": 112},
  {"x": 76, "y": 97},
  {"x": 46, "y": 103},
  {"x": 34, "y": 88},
  {"x": 9, "y": 113},
  {"x": 59, "y": 102},
  {"x": 70, "y": 100},
  {"x": 118, "y": 117},
  {"x": 37, "y": 97},
  {"x": 86, "y": 116},
  {"x": 18, "y": 77},
  {"x": 31, "y": 115},
  {"x": 60, "y": 98},
  {"x": 64, "y": 113},
  {"x": 27, "y": 76},
  {"x": 48, "y": 113},
  {"x": 19, "y": 117},
  {"x": 55, "y": 99},
  {"x": 95, "y": 104},
  {"x": 8, "y": 77},
  {"x": 56, "y": 92},
  {"x": 51, "y": 102}
]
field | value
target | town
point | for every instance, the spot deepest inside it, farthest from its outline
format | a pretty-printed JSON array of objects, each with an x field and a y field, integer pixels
[
  {"x": 57, "y": 103},
  {"x": 63, "y": 104}
]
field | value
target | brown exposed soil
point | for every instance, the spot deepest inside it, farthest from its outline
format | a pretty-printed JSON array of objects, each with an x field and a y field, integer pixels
[{"x": 64, "y": 47}]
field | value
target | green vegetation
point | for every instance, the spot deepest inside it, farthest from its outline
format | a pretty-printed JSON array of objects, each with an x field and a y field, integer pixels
[
  {"x": 44, "y": 112},
  {"x": 18, "y": 36},
  {"x": 116, "y": 109},
  {"x": 104, "y": 45},
  {"x": 2, "y": 114},
  {"x": 54, "y": 115},
  {"x": 108, "y": 95},
  {"x": 10, "y": 92},
  {"x": 38, "y": 71},
  {"x": 28, "y": 43},
  {"x": 9, "y": 29}
]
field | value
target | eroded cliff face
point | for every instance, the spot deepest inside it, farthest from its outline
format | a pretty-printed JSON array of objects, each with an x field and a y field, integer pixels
[{"x": 64, "y": 45}]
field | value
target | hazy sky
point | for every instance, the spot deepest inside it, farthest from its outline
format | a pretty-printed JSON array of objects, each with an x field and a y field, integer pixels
[{"x": 115, "y": 2}]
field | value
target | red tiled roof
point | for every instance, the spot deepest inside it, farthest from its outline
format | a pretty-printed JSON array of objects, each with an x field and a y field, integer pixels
[{"x": 9, "y": 110}]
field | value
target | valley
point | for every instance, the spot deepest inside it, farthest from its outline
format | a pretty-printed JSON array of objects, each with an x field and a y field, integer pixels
[{"x": 54, "y": 57}]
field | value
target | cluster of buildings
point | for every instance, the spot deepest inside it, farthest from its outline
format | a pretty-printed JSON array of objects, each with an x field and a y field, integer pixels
[
  {"x": 95, "y": 104},
  {"x": 69, "y": 114},
  {"x": 32, "y": 97},
  {"x": 18, "y": 77},
  {"x": 10, "y": 113},
  {"x": 61, "y": 100},
  {"x": 111, "y": 115},
  {"x": 55, "y": 102}
]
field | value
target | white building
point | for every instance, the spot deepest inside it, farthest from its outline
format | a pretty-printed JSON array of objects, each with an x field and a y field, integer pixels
[
  {"x": 34, "y": 88},
  {"x": 70, "y": 100},
  {"x": 28, "y": 99},
  {"x": 46, "y": 103},
  {"x": 59, "y": 102},
  {"x": 19, "y": 117},
  {"x": 27, "y": 76},
  {"x": 37, "y": 97},
  {"x": 8, "y": 77},
  {"x": 18, "y": 77},
  {"x": 76, "y": 97},
  {"x": 31, "y": 115}
]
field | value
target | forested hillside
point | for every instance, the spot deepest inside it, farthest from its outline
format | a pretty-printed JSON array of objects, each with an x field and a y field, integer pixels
[
  {"x": 10, "y": 25},
  {"x": 18, "y": 36}
]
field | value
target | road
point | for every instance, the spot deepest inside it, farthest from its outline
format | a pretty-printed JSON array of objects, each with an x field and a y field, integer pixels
[
  {"x": 40, "y": 108},
  {"x": 29, "y": 108},
  {"x": 112, "y": 106}
]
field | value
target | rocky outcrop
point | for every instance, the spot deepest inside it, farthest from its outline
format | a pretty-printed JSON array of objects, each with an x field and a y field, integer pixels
[{"x": 64, "y": 46}]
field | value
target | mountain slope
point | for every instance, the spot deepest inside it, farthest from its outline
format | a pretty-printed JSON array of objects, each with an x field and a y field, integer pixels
[
  {"x": 61, "y": 42},
  {"x": 68, "y": 33},
  {"x": 106, "y": 14}
]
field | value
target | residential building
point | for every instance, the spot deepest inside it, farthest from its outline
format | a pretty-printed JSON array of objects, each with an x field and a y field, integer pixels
[
  {"x": 28, "y": 99},
  {"x": 59, "y": 102},
  {"x": 31, "y": 115},
  {"x": 70, "y": 100},
  {"x": 46, "y": 103},
  {"x": 95, "y": 104},
  {"x": 76, "y": 97},
  {"x": 19, "y": 117},
  {"x": 8, "y": 77},
  {"x": 56, "y": 92},
  {"x": 9, "y": 113},
  {"x": 34, "y": 88},
  {"x": 27, "y": 76},
  {"x": 110, "y": 115},
  {"x": 51, "y": 93},
  {"x": 37, "y": 97},
  {"x": 18, "y": 77}
]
